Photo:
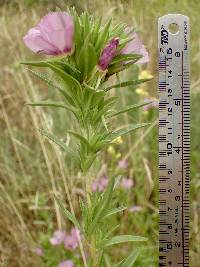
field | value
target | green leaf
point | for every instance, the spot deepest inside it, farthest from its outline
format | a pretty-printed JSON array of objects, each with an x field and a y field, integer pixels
[
  {"x": 47, "y": 79},
  {"x": 86, "y": 24},
  {"x": 103, "y": 38},
  {"x": 60, "y": 143},
  {"x": 123, "y": 43},
  {"x": 69, "y": 68},
  {"x": 127, "y": 130},
  {"x": 87, "y": 58},
  {"x": 68, "y": 214},
  {"x": 72, "y": 83},
  {"x": 128, "y": 108},
  {"x": 114, "y": 69},
  {"x": 130, "y": 260},
  {"x": 125, "y": 58},
  {"x": 123, "y": 239},
  {"x": 95, "y": 31},
  {"x": 88, "y": 162},
  {"x": 78, "y": 29},
  {"x": 50, "y": 104},
  {"x": 118, "y": 30},
  {"x": 80, "y": 137},
  {"x": 65, "y": 76},
  {"x": 35, "y": 63},
  {"x": 59, "y": 63},
  {"x": 114, "y": 211},
  {"x": 103, "y": 205},
  {"x": 127, "y": 83}
]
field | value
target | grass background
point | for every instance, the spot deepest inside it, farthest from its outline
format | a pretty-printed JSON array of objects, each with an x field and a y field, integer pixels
[{"x": 31, "y": 169}]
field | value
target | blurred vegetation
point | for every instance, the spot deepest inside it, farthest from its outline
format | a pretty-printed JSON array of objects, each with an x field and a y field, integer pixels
[{"x": 31, "y": 169}]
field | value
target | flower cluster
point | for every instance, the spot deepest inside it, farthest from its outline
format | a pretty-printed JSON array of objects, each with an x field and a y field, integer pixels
[
  {"x": 54, "y": 35},
  {"x": 70, "y": 241},
  {"x": 99, "y": 185}
]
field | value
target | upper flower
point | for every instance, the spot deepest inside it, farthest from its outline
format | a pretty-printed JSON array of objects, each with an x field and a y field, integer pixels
[
  {"x": 58, "y": 238},
  {"x": 135, "y": 46},
  {"x": 127, "y": 183},
  {"x": 100, "y": 184},
  {"x": 53, "y": 35},
  {"x": 71, "y": 241},
  {"x": 108, "y": 53},
  {"x": 66, "y": 263}
]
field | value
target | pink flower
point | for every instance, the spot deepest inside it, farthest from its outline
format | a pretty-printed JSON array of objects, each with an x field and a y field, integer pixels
[
  {"x": 100, "y": 185},
  {"x": 58, "y": 238},
  {"x": 53, "y": 35},
  {"x": 71, "y": 241},
  {"x": 136, "y": 46},
  {"x": 127, "y": 183},
  {"x": 135, "y": 208},
  {"x": 108, "y": 54},
  {"x": 66, "y": 263},
  {"x": 153, "y": 104},
  {"x": 38, "y": 251},
  {"x": 122, "y": 164}
]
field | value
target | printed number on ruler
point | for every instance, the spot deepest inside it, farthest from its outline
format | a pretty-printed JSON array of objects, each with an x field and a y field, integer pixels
[{"x": 174, "y": 140}]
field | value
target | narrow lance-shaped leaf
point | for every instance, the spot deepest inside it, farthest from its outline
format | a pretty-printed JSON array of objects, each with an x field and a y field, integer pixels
[
  {"x": 114, "y": 69},
  {"x": 80, "y": 137},
  {"x": 65, "y": 76},
  {"x": 117, "y": 30},
  {"x": 128, "y": 108},
  {"x": 68, "y": 214},
  {"x": 68, "y": 68},
  {"x": 35, "y": 63},
  {"x": 50, "y": 104},
  {"x": 103, "y": 38},
  {"x": 48, "y": 80},
  {"x": 95, "y": 31},
  {"x": 104, "y": 205},
  {"x": 87, "y": 57},
  {"x": 127, "y": 83},
  {"x": 130, "y": 260},
  {"x": 61, "y": 144},
  {"x": 126, "y": 130},
  {"x": 114, "y": 211},
  {"x": 123, "y": 239},
  {"x": 73, "y": 84},
  {"x": 125, "y": 58}
]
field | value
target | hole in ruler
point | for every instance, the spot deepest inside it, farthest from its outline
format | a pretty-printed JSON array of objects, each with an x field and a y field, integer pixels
[{"x": 173, "y": 28}]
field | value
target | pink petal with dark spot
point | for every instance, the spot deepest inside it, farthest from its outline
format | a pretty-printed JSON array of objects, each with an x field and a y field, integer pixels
[{"x": 53, "y": 35}]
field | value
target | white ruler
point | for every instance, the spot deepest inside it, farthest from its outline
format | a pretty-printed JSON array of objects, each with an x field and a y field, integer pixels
[{"x": 174, "y": 140}]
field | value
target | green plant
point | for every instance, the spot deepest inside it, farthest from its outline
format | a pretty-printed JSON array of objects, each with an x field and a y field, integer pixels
[{"x": 83, "y": 83}]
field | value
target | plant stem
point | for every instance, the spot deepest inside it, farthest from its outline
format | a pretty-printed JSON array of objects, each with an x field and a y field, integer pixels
[{"x": 92, "y": 240}]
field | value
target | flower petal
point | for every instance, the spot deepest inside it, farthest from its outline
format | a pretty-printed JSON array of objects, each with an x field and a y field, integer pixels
[
  {"x": 34, "y": 41},
  {"x": 58, "y": 29},
  {"x": 136, "y": 46},
  {"x": 58, "y": 238},
  {"x": 66, "y": 263}
]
